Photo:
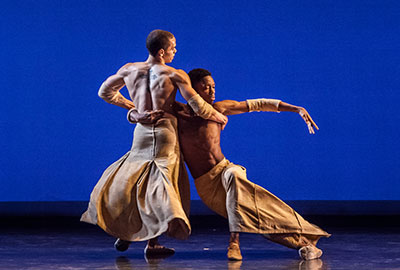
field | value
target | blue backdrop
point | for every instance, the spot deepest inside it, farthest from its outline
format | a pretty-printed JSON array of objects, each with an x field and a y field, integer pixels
[{"x": 338, "y": 59}]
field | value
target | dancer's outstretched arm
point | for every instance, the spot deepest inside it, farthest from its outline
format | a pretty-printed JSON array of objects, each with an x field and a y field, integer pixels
[
  {"x": 230, "y": 107},
  {"x": 283, "y": 106}
]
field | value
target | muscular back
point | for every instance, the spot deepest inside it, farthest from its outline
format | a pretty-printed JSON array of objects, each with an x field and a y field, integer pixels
[{"x": 151, "y": 86}]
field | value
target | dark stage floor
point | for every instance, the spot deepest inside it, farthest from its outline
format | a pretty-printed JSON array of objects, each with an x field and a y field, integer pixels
[{"x": 68, "y": 244}]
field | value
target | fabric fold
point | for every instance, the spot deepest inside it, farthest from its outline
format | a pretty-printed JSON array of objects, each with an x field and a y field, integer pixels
[
  {"x": 249, "y": 208},
  {"x": 146, "y": 192}
]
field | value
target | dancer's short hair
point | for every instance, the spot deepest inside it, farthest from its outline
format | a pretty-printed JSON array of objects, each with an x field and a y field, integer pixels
[
  {"x": 158, "y": 39},
  {"x": 197, "y": 74}
]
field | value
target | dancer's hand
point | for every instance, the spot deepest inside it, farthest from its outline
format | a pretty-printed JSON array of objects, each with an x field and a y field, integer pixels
[
  {"x": 147, "y": 117},
  {"x": 220, "y": 118},
  {"x": 307, "y": 118}
]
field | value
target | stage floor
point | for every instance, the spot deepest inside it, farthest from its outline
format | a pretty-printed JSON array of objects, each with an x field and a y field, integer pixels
[{"x": 83, "y": 246}]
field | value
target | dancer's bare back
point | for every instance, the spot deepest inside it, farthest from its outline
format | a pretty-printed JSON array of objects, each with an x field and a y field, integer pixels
[{"x": 150, "y": 86}]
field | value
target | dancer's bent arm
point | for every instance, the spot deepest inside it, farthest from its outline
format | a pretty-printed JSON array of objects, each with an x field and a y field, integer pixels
[{"x": 109, "y": 91}]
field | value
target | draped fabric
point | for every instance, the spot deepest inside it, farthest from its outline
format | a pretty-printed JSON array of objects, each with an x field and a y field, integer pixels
[
  {"x": 250, "y": 208},
  {"x": 146, "y": 192}
]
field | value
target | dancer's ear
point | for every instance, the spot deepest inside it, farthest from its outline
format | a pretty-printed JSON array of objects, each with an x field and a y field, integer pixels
[{"x": 161, "y": 53}]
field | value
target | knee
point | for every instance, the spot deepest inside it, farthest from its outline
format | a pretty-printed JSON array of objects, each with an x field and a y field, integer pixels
[{"x": 232, "y": 174}]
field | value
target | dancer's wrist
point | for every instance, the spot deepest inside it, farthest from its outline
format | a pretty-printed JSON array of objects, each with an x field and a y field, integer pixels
[{"x": 131, "y": 116}]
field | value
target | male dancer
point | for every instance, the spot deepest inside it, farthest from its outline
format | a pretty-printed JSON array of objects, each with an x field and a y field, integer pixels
[
  {"x": 223, "y": 186},
  {"x": 146, "y": 193}
]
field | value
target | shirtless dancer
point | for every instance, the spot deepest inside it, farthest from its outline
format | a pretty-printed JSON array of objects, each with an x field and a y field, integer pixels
[
  {"x": 223, "y": 186},
  {"x": 146, "y": 193}
]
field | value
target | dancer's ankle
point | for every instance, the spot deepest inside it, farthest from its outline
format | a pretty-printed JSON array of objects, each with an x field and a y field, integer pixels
[{"x": 234, "y": 238}]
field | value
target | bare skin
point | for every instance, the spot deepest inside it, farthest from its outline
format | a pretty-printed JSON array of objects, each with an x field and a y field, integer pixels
[
  {"x": 152, "y": 87},
  {"x": 200, "y": 138}
]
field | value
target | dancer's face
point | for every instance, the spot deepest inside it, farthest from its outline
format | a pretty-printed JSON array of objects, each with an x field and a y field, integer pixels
[
  {"x": 170, "y": 51},
  {"x": 206, "y": 89}
]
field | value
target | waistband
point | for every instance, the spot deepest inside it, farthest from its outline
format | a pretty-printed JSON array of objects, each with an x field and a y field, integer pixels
[{"x": 216, "y": 170}]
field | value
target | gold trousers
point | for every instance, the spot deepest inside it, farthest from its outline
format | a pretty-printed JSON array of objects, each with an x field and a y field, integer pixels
[{"x": 250, "y": 208}]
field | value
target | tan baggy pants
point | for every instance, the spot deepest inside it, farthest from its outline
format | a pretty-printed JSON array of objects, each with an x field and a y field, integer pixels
[
  {"x": 146, "y": 192},
  {"x": 250, "y": 208}
]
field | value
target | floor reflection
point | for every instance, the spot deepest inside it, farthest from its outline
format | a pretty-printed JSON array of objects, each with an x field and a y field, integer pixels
[
  {"x": 312, "y": 265},
  {"x": 232, "y": 265},
  {"x": 125, "y": 263},
  {"x": 92, "y": 249}
]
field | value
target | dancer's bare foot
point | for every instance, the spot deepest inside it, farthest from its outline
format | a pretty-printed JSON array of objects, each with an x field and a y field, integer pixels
[
  {"x": 153, "y": 248},
  {"x": 158, "y": 250},
  {"x": 310, "y": 252},
  {"x": 234, "y": 252},
  {"x": 234, "y": 247}
]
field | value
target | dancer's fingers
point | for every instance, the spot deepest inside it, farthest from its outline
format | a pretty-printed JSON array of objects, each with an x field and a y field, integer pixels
[{"x": 313, "y": 123}]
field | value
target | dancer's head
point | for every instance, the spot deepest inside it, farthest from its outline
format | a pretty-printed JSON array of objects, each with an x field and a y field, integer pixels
[
  {"x": 161, "y": 44},
  {"x": 203, "y": 83}
]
